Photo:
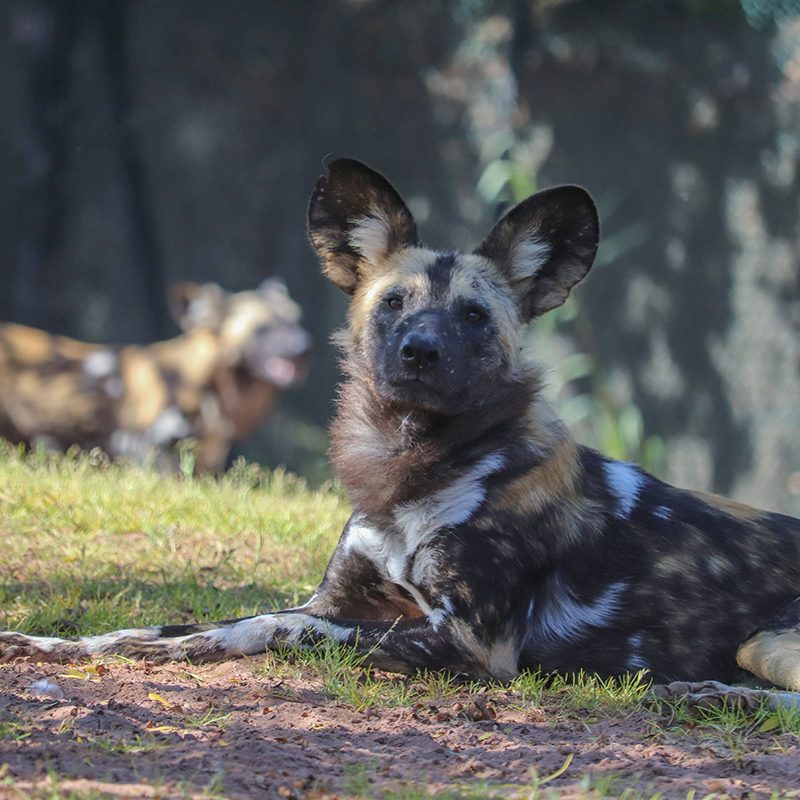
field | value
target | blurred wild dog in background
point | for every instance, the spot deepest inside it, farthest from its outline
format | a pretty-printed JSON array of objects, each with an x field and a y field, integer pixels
[{"x": 213, "y": 384}]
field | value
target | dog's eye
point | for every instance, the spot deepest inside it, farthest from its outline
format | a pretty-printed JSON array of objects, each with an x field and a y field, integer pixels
[
  {"x": 475, "y": 315},
  {"x": 394, "y": 302}
]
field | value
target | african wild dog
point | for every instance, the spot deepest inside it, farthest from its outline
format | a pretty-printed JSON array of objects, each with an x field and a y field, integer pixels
[
  {"x": 483, "y": 538},
  {"x": 214, "y": 383}
]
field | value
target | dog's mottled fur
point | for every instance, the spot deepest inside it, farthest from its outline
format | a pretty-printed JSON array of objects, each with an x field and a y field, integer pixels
[
  {"x": 214, "y": 383},
  {"x": 483, "y": 539}
]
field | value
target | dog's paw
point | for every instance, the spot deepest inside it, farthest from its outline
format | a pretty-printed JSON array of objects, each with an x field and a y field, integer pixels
[
  {"x": 15, "y": 646},
  {"x": 712, "y": 694}
]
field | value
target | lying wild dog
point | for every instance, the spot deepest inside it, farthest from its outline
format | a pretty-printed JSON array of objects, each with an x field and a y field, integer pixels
[
  {"x": 483, "y": 539},
  {"x": 215, "y": 383}
]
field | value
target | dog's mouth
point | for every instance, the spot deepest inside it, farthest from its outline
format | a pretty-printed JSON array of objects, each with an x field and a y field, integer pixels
[
  {"x": 414, "y": 392},
  {"x": 283, "y": 372},
  {"x": 280, "y": 357}
]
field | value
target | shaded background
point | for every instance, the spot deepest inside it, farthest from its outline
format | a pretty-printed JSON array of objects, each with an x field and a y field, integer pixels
[{"x": 149, "y": 141}]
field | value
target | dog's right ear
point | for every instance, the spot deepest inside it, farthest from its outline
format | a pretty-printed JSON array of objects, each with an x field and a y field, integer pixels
[
  {"x": 196, "y": 305},
  {"x": 356, "y": 219}
]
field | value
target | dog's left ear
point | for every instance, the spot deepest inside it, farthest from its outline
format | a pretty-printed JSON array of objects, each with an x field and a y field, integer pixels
[
  {"x": 356, "y": 219},
  {"x": 196, "y": 305},
  {"x": 544, "y": 246}
]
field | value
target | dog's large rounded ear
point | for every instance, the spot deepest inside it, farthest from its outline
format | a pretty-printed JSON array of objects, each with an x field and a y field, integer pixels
[
  {"x": 355, "y": 220},
  {"x": 196, "y": 305},
  {"x": 544, "y": 246}
]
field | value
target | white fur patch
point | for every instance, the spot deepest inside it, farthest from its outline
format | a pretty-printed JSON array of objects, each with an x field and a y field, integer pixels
[
  {"x": 564, "y": 617},
  {"x": 387, "y": 552},
  {"x": 662, "y": 512},
  {"x": 100, "y": 364},
  {"x": 439, "y": 615},
  {"x": 45, "y": 643},
  {"x": 448, "y": 507},
  {"x": 169, "y": 425},
  {"x": 104, "y": 642},
  {"x": 254, "y": 636},
  {"x": 370, "y": 236},
  {"x": 635, "y": 659},
  {"x": 528, "y": 256},
  {"x": 625, "y": 481}
]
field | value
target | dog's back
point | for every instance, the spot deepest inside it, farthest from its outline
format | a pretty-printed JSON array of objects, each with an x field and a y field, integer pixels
[{"x": 51, "y": 390}]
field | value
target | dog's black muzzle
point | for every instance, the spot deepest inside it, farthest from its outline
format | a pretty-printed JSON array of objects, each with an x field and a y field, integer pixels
[{"x": 420, "y": 349}]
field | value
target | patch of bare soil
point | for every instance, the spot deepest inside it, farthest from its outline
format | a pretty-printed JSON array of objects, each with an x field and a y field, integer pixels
[{"x": 134, "y": 730}]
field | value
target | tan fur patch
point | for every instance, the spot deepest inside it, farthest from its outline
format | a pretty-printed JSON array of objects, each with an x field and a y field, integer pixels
[
  {"x": 403, "y": 270},
  {"x": 729, "y": 506},
  {"x": 504, "y": 659},
  {"x": 497, "y": 660},
  {"x": 554, "y": 479},
  {"x": 34, "y": 347},
  {"x": 773, "y": 656},
  {"x": 146, "y": 396},
  {"x": 192, "y": 356}
]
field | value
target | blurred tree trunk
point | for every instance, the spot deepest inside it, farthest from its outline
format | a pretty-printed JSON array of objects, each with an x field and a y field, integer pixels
[
  {"x": 148, "y": 280},
  {"x": 44, "y": 278},
  {"x": 38, "y": 281},
  {"x": 679, "y": 117}
]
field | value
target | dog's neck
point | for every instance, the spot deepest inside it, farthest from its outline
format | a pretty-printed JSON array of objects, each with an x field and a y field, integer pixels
[{"x": 386, "y": 455}]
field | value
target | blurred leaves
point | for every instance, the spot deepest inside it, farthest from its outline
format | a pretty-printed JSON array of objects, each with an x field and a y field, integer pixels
[{"x": 504, "y": 179}]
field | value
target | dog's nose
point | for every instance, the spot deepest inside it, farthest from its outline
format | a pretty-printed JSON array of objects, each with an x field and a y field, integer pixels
[{"x": 420, "y": 349}]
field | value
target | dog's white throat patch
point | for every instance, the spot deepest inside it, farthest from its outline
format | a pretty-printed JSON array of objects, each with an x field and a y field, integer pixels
[{"x": 448, "y": 507}]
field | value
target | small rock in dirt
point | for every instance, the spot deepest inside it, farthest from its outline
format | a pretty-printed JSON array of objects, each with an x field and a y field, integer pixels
[{"x": 46, "y": 688}]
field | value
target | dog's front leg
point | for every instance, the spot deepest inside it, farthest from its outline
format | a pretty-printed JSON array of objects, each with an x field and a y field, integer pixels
[{"x": 403, "y": 645}]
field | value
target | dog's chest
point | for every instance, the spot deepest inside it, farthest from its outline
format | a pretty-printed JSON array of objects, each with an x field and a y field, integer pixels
[
  {"x": 415, "y": 525},
  {"x": 391, "y": 551}
]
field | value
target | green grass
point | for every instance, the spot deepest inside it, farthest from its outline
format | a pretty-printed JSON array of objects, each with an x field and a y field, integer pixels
[
  {"x": 13, "y": 730},
  {"x": 91, "y": 546}
]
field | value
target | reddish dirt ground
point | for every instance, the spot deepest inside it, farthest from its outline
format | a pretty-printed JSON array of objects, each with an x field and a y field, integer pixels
[{"x": 137, "y": 731}]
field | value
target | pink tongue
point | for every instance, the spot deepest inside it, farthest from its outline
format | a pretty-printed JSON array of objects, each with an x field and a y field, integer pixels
[{"x": 280, "y": 370}]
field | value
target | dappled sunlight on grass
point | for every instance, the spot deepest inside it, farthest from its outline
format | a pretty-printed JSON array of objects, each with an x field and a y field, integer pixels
[{"x": 88, "y": 544}]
